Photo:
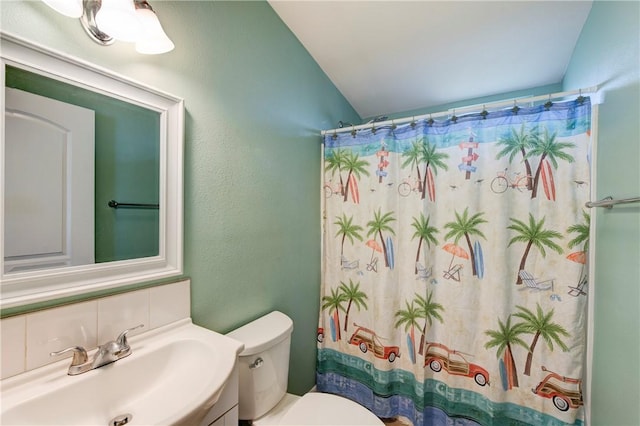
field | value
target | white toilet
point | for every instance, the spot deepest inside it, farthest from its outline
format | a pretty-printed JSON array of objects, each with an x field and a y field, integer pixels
[{"x": 264, "y": 367}]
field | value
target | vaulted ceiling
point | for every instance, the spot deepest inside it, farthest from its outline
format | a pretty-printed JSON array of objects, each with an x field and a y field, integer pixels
[{"x": 393, "y": 56}]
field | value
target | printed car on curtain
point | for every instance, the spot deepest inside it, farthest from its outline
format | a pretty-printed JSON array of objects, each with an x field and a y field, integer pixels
[
  {"x": 367, "y": 340},
  {"x": 439, "y": 357},
  {"x": 565, "y": 392}
]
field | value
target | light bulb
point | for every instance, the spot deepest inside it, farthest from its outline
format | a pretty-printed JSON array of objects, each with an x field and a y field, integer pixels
[
  {"x": 153, "y": 40},
  {"x": 118, "y": 18},
  {"x": 70, "y": 8}
]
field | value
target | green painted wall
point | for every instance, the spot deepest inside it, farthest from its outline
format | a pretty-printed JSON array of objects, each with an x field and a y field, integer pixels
[
  {"x": 608, "y": 55},
  {"x": 255, "y": 103},
  {"x": 127, "y": 150}
]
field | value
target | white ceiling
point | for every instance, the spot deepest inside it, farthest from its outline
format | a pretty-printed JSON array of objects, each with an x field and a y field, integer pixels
[{"x": 392, "y": 56}]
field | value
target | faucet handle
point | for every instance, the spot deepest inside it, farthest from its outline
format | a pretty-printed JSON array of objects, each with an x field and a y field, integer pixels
[
  {"x": 122, "y": 338},
  {"x": 79, "y": 355}
]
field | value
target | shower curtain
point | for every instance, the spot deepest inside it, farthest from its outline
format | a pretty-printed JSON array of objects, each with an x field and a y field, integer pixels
[{"x": 454, "y": 267}]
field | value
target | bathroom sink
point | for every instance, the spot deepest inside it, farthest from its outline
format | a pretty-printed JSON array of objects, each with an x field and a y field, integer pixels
[{"x": 173, "y": 376}]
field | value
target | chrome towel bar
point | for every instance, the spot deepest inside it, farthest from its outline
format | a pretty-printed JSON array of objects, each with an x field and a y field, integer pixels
[{"x": 609, "y": 202}]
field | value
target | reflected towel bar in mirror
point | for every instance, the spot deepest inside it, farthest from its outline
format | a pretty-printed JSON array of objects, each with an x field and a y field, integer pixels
[{"x": 116, "y": 205}]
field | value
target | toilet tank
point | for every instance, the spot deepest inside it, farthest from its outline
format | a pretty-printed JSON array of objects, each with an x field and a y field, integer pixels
[{"x": 263, "y": 364}]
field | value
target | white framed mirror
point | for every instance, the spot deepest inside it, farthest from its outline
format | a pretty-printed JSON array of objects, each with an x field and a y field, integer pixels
[{"x": 72, "y": 130}]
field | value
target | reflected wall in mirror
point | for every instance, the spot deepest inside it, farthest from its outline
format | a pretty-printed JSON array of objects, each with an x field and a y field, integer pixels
[
  {"x": 131, "y": 152},
  {"x": 126, "y": 159}
]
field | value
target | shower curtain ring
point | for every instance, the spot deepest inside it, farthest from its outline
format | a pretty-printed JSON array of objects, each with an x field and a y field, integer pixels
[
  {"x": 515, "y": 108},
  {"x": 353, "y": 131},
  {"x": 413, "y": 122},
  {"x": 484, "y": 112}
]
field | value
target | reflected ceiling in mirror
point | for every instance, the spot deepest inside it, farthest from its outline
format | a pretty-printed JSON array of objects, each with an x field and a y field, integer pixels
[{"x": 135, "y": 157}]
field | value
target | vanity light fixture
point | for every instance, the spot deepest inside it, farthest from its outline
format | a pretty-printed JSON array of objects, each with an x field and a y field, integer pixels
[
  {"x": 72, "y": 9},
  {"x": 105, "y": 21}
]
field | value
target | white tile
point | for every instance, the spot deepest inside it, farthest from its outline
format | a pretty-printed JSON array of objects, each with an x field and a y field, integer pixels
[
  {"x": 169, "y": 303},
  {"x": 59, "y": 328},
  {"x": 13, "y": 345},
  {"x": 121, "y": 312}
]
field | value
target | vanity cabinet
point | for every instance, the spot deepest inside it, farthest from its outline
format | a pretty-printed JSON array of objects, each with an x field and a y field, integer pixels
[{"x": 225, "y": 411}]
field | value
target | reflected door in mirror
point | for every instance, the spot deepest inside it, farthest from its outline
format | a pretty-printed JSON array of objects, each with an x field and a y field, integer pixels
[{"x": 49, "y": 183}]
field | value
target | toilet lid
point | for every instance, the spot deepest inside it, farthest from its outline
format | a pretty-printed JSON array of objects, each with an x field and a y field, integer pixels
[{"x": 316, "y": 408}]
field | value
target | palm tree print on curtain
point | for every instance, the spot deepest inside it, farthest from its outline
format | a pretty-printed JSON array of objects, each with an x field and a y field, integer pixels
[
  {"x": 413, "y": 158},
  {"x": 429, "y": 311},
  {"x": 503, "y": 340},
  {"x": 424, "y": 232},
  {"x": 465, "y": 226},
  {"x": 533, "y": 234},
  {"x": 381, "y": 222},
  {"x": 580, "y": 257},
  {"x": 540, "y": 325},
  {"x": 334, "y": 304},
  {"x": 433, "y": 160},
  {"x": 420, "y": 308},
  {"x": 355, "y": 168},
  {"x": 408, "y": 318},
  {"x": 453, "y": 248},
  {"x": 354, "y": 297},
  {"x": 549, "y": 149},
  {"x": 518, "y": 142},
  {"x": 347, "y": 230}
]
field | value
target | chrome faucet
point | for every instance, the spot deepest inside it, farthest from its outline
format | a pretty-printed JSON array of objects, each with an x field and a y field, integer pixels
[{"x": 106, "y": 354}]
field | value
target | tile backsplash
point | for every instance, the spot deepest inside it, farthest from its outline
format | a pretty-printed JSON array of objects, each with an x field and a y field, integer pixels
[
  {"x": 14, "y": 345},
  {"x": 28, "y": 339},
  {"x": 58, "y": 328}
]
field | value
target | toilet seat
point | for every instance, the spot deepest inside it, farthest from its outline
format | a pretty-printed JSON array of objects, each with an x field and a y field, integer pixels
[{"x": 316, "y": 408}]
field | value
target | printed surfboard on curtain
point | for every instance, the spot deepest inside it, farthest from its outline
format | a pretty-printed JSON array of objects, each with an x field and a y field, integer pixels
[
  {"x": 507, "y": 362},
  {"x": 353, "y": 189},
  {"x": 332, "y": 325},
  {"x": 412, "y": 351},
  {"x": 390, "y": 254},
  {"x": 548, "y": 184},
  {"x": 431, "y": 188},
  {"x": 478, "y": 259},
  {"x": 503, "y": 375}
]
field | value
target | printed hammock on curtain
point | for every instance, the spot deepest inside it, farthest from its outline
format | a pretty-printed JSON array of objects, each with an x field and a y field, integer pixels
[{"x": 454, "y": 267}]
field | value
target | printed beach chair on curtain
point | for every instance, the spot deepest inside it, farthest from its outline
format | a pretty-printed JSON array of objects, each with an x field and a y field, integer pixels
[{"x": 534, "y": 284}]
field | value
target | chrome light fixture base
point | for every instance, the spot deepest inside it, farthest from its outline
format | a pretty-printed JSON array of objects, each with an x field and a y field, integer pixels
[
  {"x": 88, "y": 21},
  {"x": 104, "y": 21}
]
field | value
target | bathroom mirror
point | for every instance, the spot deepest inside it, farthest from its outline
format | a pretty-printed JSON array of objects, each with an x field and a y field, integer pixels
[{"x": 86, "y": 136}]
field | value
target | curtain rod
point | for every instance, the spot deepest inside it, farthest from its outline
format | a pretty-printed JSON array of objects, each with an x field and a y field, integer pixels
[{"x": 467, "y": 109}]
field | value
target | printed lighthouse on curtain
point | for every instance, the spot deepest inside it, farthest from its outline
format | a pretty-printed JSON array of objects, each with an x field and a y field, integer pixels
[{"x": 454, "y": 267}]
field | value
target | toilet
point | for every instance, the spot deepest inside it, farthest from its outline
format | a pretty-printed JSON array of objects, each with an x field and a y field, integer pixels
[{"x": 263, "y": 372}]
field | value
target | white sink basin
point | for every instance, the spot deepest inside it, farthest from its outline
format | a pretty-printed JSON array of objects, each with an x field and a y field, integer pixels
[{"x": 173, "y": 376}]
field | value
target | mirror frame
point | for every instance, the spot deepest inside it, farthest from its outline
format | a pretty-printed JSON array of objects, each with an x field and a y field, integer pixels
[{"x": 27, "y": 287}]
